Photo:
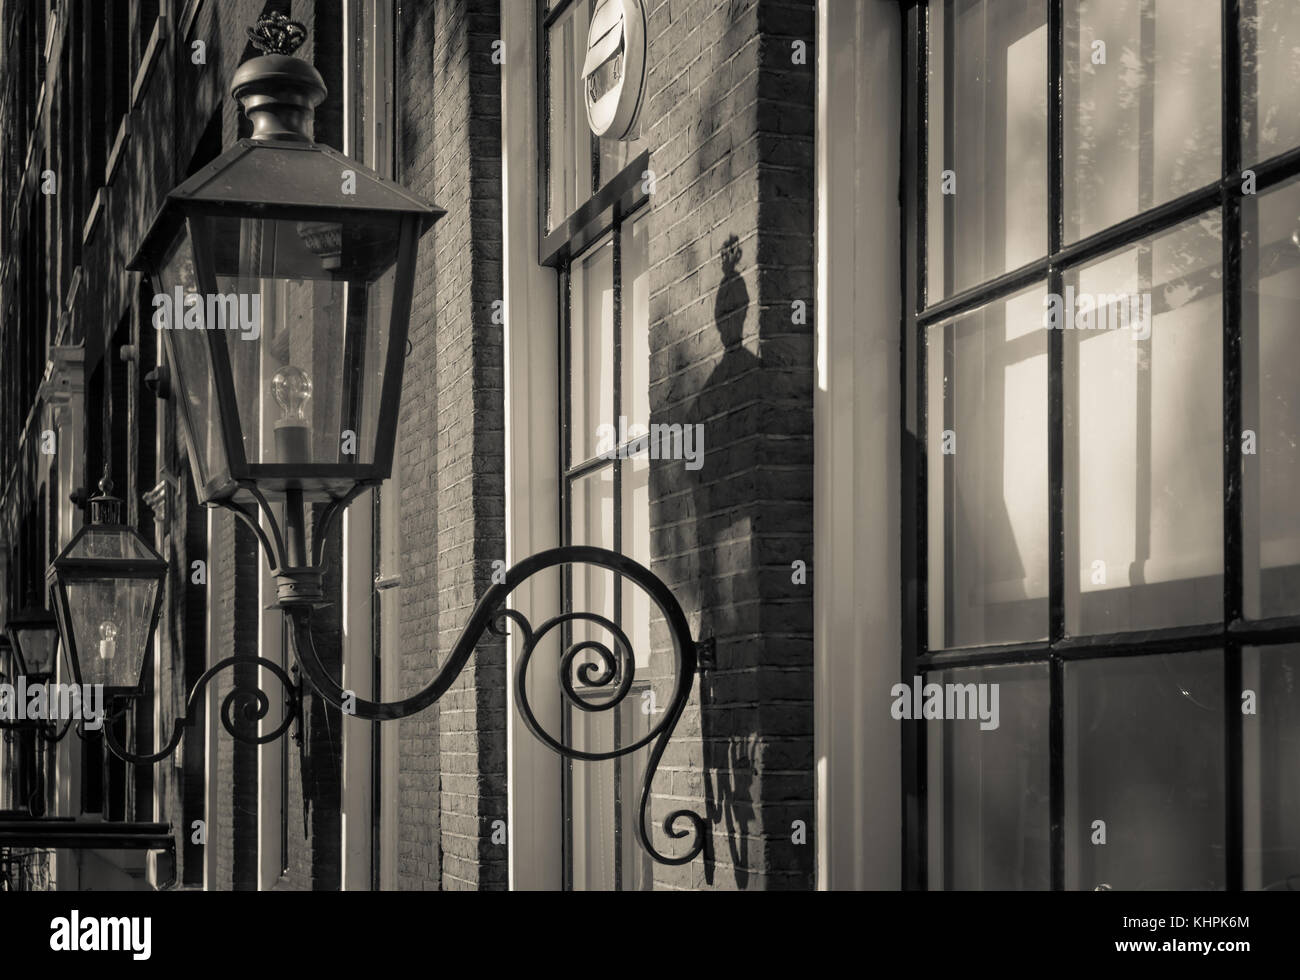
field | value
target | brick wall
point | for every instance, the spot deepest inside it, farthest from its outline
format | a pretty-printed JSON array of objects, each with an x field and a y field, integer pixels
[
  {"x": 233, "y": 578},
  {"x": 730, "y": 120},
  {"x": 452, "y": 757}
]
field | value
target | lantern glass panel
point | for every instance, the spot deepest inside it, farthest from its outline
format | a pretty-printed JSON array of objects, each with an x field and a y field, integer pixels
[
  {"x": 311, "y": 301},
  {"x": 110, "y": 619},
  {"x": 107, "y": 541},
  {"x": 195, "y": 382},
  {"x": 37, "y": 644}
]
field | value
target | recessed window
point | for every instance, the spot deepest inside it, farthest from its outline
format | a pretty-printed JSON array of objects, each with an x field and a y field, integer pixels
[{"x": 602, "y": 256}]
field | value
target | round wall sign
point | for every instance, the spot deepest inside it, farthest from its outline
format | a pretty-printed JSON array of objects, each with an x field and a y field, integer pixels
[{"x": 613, "y": 73}]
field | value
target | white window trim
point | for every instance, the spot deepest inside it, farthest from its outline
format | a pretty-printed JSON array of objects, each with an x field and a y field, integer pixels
[
  {"x": 857, "y": 495},
  {"x": 531, "y": 468},
  {"x": 358, "y": 526}
]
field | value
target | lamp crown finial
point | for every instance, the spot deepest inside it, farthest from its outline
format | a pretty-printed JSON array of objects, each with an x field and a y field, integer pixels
[
  {"x": 279, "y": 92},
  {"x": 275, "y": 33}
]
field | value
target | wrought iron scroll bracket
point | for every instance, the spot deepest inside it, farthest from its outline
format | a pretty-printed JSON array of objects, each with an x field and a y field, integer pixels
[
  {"x": 45, "y": 731},
  {"x": 242, "y": 708},
  {"x": 611, "y": 676}
]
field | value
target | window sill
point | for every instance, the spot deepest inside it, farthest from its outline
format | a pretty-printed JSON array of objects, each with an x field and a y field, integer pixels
[
  {"x": 191, "y": 11},
  {"x": 74, "y": 287},
  {"x": 36, "y": 127},
  {"x": 115, "y": 154},
  {"x": 92, "y": 219},
  {"x": 149, "y": 59},
  {"x": 51, "y": 23}
]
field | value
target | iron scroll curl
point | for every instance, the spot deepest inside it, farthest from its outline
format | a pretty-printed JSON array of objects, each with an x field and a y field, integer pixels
[
  {"x": 616, "y": 665},
  {"x": 244, "y": 705}
]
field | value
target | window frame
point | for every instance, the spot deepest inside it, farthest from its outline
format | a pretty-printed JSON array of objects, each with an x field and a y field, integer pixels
[
  {"x": 610, "y": 211},
  {"x": 620, "y": 196},
  {"x": 1232, "y": 631}
]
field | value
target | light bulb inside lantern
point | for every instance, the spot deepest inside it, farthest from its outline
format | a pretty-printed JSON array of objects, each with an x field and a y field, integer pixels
[
  {"x": 107, "y": 639},
  {"x": 291, "y": 388}
]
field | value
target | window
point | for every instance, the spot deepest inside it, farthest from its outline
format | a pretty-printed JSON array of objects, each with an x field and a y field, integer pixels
[
  {"x": 1103, "y": 263},
  {"x": 596, "y": 236}
]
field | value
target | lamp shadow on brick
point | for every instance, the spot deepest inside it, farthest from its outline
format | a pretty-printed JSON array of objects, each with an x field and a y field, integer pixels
[{"x": 724, "y": 489}]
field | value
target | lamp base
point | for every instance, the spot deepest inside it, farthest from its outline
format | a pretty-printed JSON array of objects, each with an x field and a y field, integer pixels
[{"x": 299, "y": 587}]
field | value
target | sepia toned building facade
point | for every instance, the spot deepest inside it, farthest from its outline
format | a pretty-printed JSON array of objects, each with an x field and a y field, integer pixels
[{"x": 815, "y": 267}]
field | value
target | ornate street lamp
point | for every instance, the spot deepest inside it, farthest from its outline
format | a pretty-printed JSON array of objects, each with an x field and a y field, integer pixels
[
  {"x": 14, "y": 726},
  {"x": 283, "y": 275},
  {"x": 107, "y": 588},
  {"x": 9, "y": 669},
  {"x": 34, "y": 637},
  {"x": 38, "y": 632}
]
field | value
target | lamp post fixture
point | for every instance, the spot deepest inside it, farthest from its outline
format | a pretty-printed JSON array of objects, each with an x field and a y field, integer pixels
[
  {"x": 33, "y": 636},
  {"x": 11, "y": 670},
  {"x": 9, "y": 673},
  {"x": 284, "y": 273},
  {"x": 107, "y": 589},
  {"x": 27, "y": 650}
]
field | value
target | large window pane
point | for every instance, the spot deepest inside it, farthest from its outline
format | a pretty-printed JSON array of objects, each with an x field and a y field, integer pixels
[
  {"x": 1270, "y": 353},
  {"x": 988, "y": 787},
  {"x": 569, "y": 146},
  {"x": 1143, "y": 434},
  {"x": 653, "y": 687},
  {"x": 1270, "y": 77},
  {"x": 591, "y": 350},
  {"x": 987, "y": 450},
  {"x": 987, "y": 180},
  {"x": 591, "y": 789},
  {"x": 1144, "y": 126},
  {"x": 1270, "y": 741},
  {"x": 1144, "y": 741},
  {"x": 635, "y": 339},
  {"x": 614, "y": 155}
]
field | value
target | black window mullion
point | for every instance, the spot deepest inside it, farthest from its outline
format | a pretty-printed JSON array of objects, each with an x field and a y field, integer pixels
[
  {"x": 915, "y": 556},
  {"x": 542, "y": 21},
  {"x": 617, "y": 531},
  {"x": 1233, "y": 573},
  {"x": 1142, "y": 391},
  {"x": 1056, "y": 441},
  {"x": 564, "y": 322},
  {"x": 950, "y": 82}
]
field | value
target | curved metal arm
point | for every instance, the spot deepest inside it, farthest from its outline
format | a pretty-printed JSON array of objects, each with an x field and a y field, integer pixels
[
  {"x": 617, "y": 663},
  {"x": 45, "y": 731},
  {"x": 53, "y": 736},
  {"x": 250, "y": 701}
]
